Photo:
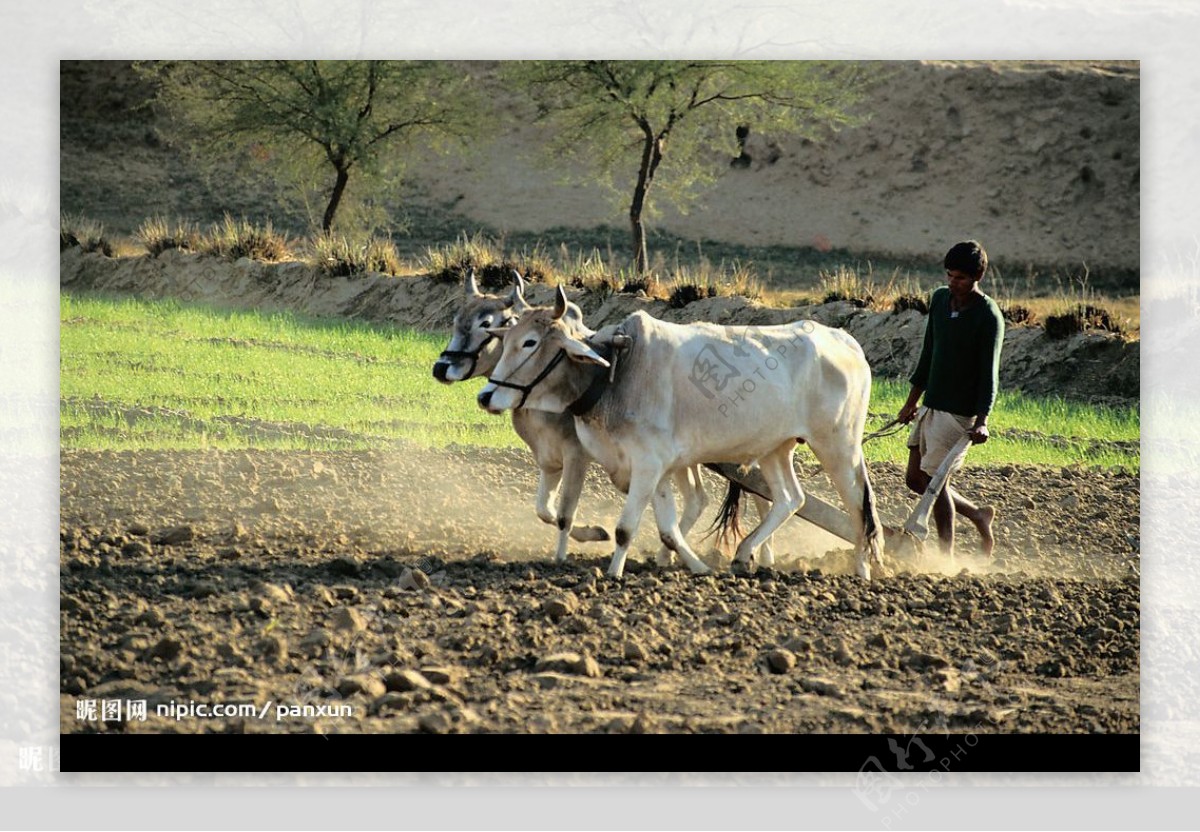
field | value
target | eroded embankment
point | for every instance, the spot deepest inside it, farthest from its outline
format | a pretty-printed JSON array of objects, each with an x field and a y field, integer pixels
[{"x": 1092, "y": 366}]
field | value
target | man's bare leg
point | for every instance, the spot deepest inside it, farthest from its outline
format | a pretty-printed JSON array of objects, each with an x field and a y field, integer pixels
[
  {"x": 980, "y": 516},
  {"x": 943, "y": 518}
]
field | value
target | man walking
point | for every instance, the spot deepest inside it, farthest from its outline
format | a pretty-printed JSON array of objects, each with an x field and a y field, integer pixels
[{"x": 958, "y": 372}]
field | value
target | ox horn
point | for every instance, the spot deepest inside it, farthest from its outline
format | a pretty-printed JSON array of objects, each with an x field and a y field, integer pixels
[
  {"x": 517, "y": 299},
  {"x": 470, "y": 286},
  {"x": 560, "y": 302}
]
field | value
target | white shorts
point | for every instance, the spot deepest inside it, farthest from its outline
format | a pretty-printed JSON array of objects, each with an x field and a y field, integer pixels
[{"x": 934, "y": 433}]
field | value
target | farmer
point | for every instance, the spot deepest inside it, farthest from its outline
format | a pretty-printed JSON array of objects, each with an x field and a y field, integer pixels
[{"x": 958, "y": 372}]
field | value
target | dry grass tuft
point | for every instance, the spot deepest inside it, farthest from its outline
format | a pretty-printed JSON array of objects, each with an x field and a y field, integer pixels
[
  {"x": 77, "y": 230},
  {"x": 157, "y": 235},
  {"x": 234, "y": 239},
  {"x": 339, "y": 256}
]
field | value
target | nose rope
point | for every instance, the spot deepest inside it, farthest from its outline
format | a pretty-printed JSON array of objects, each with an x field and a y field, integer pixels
[
  {"x": 454, "y": 356},
  {"x": 526, "y": 389}
]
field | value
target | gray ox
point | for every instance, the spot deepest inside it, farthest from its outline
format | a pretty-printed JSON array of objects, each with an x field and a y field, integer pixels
[
  {"x": 660, "y": 411},
  {"x": 474, "y": 350}
]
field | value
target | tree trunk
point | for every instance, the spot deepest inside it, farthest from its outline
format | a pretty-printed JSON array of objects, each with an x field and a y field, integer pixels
[
  {"x": 335, "y": 198},
  {"x": 651, "y": 156}
]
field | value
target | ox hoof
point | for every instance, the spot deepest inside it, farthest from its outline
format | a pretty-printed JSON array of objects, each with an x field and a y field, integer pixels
[
  {"x": 589, "y": 534},
  {"x": 740, "y": 568}
]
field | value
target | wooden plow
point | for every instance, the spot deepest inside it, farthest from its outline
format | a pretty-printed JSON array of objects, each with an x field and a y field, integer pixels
[{"x": 907, "y": 538}]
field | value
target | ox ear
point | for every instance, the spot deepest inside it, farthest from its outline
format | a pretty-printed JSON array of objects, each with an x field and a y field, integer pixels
[
  {"x": 517, "y": 299},
  {"x": 581, "y": 352},
  {"x": 498, "y": 331},
  {"x": 560, "y": 302},
  {"x": 573, "y": 315},
  {"x": 470, "y": 287}
]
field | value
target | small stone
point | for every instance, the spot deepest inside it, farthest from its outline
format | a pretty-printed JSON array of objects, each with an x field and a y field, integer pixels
[
  {"x": 821, "y": 687},
  {"x": 642, "y": 724},
  {"x": 138, "y": 529},
  {"x": 167, "y": 649},
  {"x": 229, "y": 553},
  {"x": 549, "y": 681},
  {"x": 635, "y": 652},
  {"x": 948, "y": 680},
  {"x": 567, "y": 662},
  {"x": 273, "y": 649},
  {"x": 780, "y": 660},
  {"x": 406, "y": 680},
  {"x": 843, "y": 656},
  {"x": 316, "y": 642},
  {"x": 390, "y": 701},
  {"x": 443, "y": 675},
  {"x": 203, "y": 589},
  {"x": 137, "y": 549},
  {"x": 561, "y": 606},
  {"x": 345, "y": 567},
  {"x": 348, "y": 618},
  {"x": 371, "y": 686},
  {"x": 389, "y": 567},
  {"x": 413, "y": 579},
  {"x": 927, "y": 661},
  {"x": 275, "y": 593},
  {"x": 435, "y": 723},
  {"x": 151, "y": 618},
  {"x": 798, "y": 645},
  {"x": 174, "y": 535},
  {"x": 879, "y": 640}
]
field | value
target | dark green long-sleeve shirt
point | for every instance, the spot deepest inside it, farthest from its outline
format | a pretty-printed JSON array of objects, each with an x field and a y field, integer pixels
[{"x": 960, "y": 359}]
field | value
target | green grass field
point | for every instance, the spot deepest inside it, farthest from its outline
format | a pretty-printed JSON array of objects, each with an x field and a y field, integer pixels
[{"x": 159, "y": 374}]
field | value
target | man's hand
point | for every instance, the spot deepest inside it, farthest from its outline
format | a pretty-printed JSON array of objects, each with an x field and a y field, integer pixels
[
  {"x": 978, "y": 434},
  {"x": 907, "y": 413}
]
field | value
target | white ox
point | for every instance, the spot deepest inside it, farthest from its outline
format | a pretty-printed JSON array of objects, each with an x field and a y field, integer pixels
[
  {"x": 683, "y": 395},
  {"x": 474, "y": 350}
]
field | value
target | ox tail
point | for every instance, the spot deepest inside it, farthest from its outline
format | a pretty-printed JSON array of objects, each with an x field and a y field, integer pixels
[
  {"x": 726, "y": 525},
  {"x": 872, "y": 529}
]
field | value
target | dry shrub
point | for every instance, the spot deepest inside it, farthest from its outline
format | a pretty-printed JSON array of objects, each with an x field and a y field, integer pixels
[
  {"x": 692, "y": 283},
  {"x": 846, "y": 285},
  {"x": 684, "y": 293},
  {"x": 234, "y": 239},
  {"x": 157, "y": 235},
  {"x": 339, "y": 256},
  {"x": 904, "y": 302},
  {"x": 77, "y": 230},
  {"x": 1080, "y": 318},
  {"x": 1015, "y": 313},
  {"x": 451, "y": 263}
]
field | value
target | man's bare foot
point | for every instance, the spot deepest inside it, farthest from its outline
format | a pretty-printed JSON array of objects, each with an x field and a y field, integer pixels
[{"x": 984, "y": 524}]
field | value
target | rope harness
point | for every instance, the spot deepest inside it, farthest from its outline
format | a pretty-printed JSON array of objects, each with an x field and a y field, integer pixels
[
  {"x": 891, "y": 428},
  {"x": 600, "y": 379},
  {"x": 454, "y": 356}
]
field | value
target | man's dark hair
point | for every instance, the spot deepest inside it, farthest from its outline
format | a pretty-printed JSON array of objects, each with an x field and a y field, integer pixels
[{"x": 968, "y": 258}]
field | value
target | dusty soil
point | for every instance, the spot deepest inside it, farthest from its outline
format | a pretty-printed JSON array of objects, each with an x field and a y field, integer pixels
[{"x": 384, "y": 582}]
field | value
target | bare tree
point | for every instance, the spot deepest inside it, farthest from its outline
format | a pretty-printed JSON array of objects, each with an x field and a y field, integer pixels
[
  {"x": 297, "y": 116},
  {"x": 662, "y": 120}
]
